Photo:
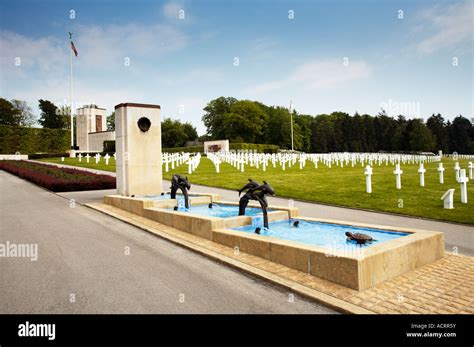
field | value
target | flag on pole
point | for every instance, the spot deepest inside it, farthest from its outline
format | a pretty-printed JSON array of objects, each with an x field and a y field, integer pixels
[
  {"x": 74, "y": 48},
  {"x": 72, "y": 44}
]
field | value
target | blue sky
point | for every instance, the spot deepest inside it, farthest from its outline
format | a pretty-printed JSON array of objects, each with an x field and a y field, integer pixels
[{"x": 332, "y": 56}]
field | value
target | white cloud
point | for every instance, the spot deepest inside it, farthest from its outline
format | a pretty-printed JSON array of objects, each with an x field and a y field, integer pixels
[
  {"x": 107, "y": 46},
  {"x": 171, "y": 12},
  {"x": 99, "y": 47},
  {"x": 318, "y": 74},
  {"x": 42, "y": 54},
  {"x": 449, "y": 26}
]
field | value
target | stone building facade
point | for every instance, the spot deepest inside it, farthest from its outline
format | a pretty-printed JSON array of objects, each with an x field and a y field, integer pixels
[{"x": 91, "y": 129}]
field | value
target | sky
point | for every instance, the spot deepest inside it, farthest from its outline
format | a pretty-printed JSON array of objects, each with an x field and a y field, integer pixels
[{"x": 414, "y": 57}]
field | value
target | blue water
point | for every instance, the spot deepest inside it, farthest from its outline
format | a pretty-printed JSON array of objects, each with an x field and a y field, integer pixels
[
  {"x": 321, "y": 234},
  {"x": 220, "y": 210}
]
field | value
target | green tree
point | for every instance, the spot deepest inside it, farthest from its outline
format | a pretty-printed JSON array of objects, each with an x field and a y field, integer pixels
[
  {"x": 64, "y": 111},
  {"x": 400, "y": 139},
  {"x": 111, "y": 122},
  {"x": 26, "y": 116},
  {"x": 439, "y": 129},
  {"x": 384, "y": 132},
  {"x": 460, "y": 135},
  {"x": 420, "y": 137},
  {"x": 190, "y": 131},
  {"x": 213, "y": 117},
  {"x": 172, "y": 133},
  {"x": 246, "y": 121},
  {"x": 322, "y": 134},
  {"x": 9, "y": 115},
  {"x": 176, "y": 134},
  {"x": 302, "y": 131},
  {"x": 278, "y": 130},
  {"x": 51, "y": 117}
]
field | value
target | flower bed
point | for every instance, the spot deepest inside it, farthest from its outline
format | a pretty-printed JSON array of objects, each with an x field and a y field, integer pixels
[{"x": 57, "y": 179}]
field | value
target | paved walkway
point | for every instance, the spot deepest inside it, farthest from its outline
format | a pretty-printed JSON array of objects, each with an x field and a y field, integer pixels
[{"x": 83, "y": 267}]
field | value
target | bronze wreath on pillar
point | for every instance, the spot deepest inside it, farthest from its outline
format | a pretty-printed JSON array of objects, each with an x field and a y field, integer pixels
[{"x": 144, "y": 124}]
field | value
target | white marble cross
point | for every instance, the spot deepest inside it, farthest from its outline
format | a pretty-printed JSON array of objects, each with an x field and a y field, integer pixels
[
  {"x": 471, "y": 168},
  {"x": 368, "y": 179},
  {"x": 97, "y": 158},
  {"x": 80, "y": 157},
  {"x": 463, "y": 181},
  {"x": 441, "y": 173},
  {"x": 87, "y": 157},
  {"x": 62, "y": 158},
  {"x": 398, "y": 174},
  {"x": 457, "y": 168},
  {"x": 422, "y": 171},
  {"x": 107, "y": 157}
]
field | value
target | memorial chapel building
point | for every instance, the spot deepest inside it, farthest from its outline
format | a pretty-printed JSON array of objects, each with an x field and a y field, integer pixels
[{"x": 91, "y": 129}]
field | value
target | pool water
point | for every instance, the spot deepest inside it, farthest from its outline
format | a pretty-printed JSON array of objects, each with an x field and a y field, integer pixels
[
  {"x": 321, "y": 234},
  {"x": 220, "y": 210}
]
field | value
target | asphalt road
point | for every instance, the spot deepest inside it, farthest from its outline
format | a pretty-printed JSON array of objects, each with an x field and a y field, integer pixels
[{"x": 83, "y": 267}]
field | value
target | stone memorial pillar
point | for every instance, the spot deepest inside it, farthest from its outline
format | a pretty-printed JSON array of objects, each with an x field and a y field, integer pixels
[{"x": 138, "y": 149}]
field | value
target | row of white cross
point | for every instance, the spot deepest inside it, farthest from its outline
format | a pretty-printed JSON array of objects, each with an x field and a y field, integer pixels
[
  {"x": 97, "y": 158},
  {"x": 193, "y": 163},
  {"x": 284, "y": 160},
  {"x": 461, "y": 177},
  {"x": 175, "y": 159},
  {"x": 169, "y": 159}
]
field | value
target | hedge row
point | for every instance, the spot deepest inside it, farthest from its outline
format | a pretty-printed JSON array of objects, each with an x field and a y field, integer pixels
[
  {"x": 192, "y": 149},
  {"x": 25, "y": 140},
  {"x": 57, "y": 179},
  {"x": 260, "y": 148},
  {"x": 109, "y": 146},
  {"x": 48, "y": 155}
]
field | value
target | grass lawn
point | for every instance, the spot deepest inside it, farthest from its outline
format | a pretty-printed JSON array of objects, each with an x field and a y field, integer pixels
[
  {"x": 340, "y": 186},
  {"x": 83, "y": 163}
]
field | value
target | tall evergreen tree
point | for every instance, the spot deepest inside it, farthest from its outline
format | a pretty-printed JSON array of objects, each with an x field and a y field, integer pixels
[
  {"x": 51, "y": 117},
  {"x": 439, "y": 129},
  {"x": 460, "y": 135}
]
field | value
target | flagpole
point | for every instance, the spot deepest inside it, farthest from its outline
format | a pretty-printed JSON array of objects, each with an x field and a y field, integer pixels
[
  {"x": 291, "y": 120},
  {"x": 71, "y": 98}
]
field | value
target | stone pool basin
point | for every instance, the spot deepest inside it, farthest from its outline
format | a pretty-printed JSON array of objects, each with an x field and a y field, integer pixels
[
  {"x": 357, "y": 270},
  {"x": 360, "y": 269}
]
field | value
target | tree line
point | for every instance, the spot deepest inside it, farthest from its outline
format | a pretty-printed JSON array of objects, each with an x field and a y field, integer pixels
[
  {"x": 255, "y": 122},
  {"x": 245, "y": 121},
  {"x": 19, "y": 113}
]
